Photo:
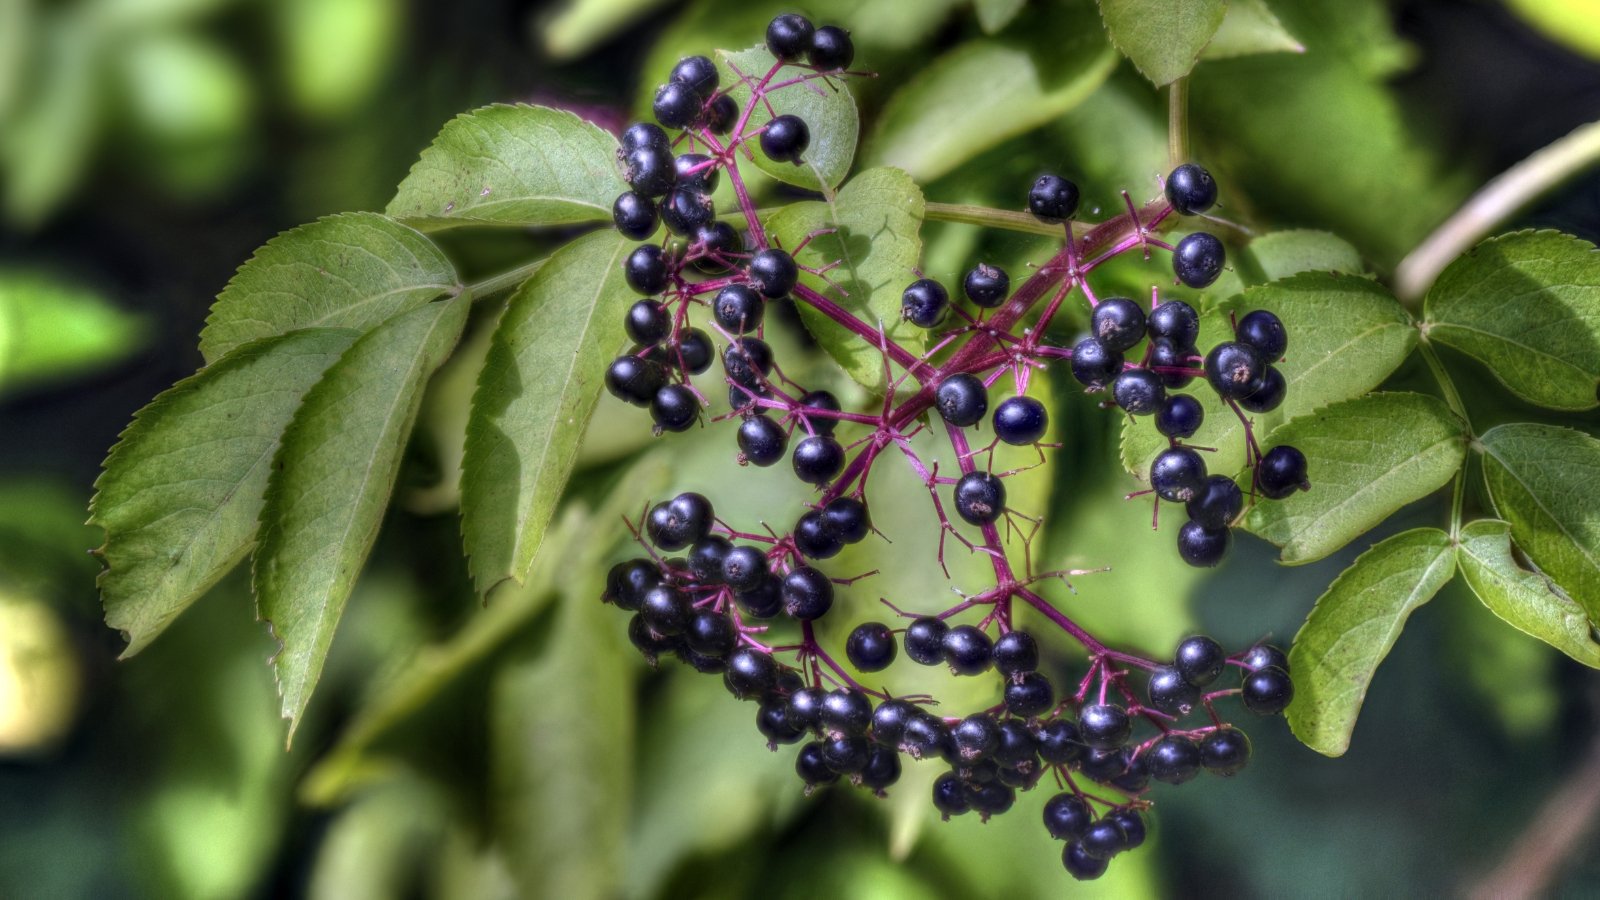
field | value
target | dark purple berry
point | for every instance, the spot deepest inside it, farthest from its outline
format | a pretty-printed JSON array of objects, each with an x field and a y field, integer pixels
[
  {"x": 1174, "y": 759},
  {"x": 1053, "y": 199},
  {"x": 634, "y": 215},
  {"x": 1282, "y": 472},
  {"x": 1198, "y": 259},
  {"x": 1093, "y": 365},
  {"x": 1170, "y": 693},
  {"x": 1199, "y": 659},
  {"x": 831, "y": 49},
  {"x": 818, "y": 458},
  {"x": 1203, "y": 547},
  {"x": 807, "y": 593},
  {"x": 785, "y": 139},
  {"x": 1225, "y": 751},
  {"x": 761, "y": 440},
  {"x": 1218, "y": 502},
  {"x": 961, "y": 399},
  {"x": 980, "y": 498},
  {"x": 1267, "y": 692},
  {"x": 871, "y": 647},
  {"x": 1118, "y": 323},
  {"x": 968, "y": 650},
  {"x": 1176, "y": 321},
  {"x": 924, "y": 303},
  {"x": 986, "y": 286},
  {"x": 1180, "y": 416},
  {"x": 1138, "y": 391},
  {"x": 645, "y": 269},
  {"x": 738, "y": 308},
  {"x": 1235, "y": 370},
  {"x": 1190, "y": 190},
  {"x": 1177, "y": 474},
  {"x": 789, "y": 36},
  {"x": 773, "y": 272},
  {"x": 1265, "y": 332},
  {"x": 1020, "y": 420},
  {"x": 925, "y": 641}
]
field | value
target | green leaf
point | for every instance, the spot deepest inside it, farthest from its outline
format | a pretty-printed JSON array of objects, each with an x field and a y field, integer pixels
[
  {"x": 877, "y": 242},
  {"x": 48, "y": 141},
  {"x": 1525, "y": 600},
  {"x": 1163, "y": 38},
  {"x": 582, "y": 25},
  {"x": 828, "y": 110},
  {"x": 1545, "y": 481},
  {"x": 331, "y": 482},
  {"x": 994, "y": 15},
  {"x": 539, "y": 386},
  {"x": 1352, "y": 629},
  {"x": 1346, "y": 335},
  {"x": 1527, "y": 305},
  {"x": 512, "y": 166},
  {"x": 182, "y": 491},
  {"x": 1249, "y": 28},
  {"x": 1280, "y": 254},
  {"x": 1571, "y": 22},
  {"x": 51, "y": 329},
  {"x": 988, "y": 90},
  {"x": 1366, "y": 458},
  {"x": 355, "y": 270}
]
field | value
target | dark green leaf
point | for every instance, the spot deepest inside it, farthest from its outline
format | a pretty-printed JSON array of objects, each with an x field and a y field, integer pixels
[
  {"x": 829, "y": 111},
  {"x": 1366, "y": 458},
  {"x": 1352, "y": 629},
  {"x": 355, "y": 270},
  {"x": 331, "y": 482},
  {"x": 1545, "y": 481},
  {"x": 1250, "y": 28},
  {"x": 1528, "y": 306},
  {"x": 1522, "y": 598},
  {"x": 183, "y": 490},
  {"x": 1162, "y": 37},
  {"x": 539, "y": 386},
  {"x": 513, "y": 166}
]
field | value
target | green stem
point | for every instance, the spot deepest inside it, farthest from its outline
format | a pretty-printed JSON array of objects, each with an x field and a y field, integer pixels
[
  {"x": 505, "y": 282},
  {"x": 1452, "y": 398},
  {"x": 1178, "y": 122},
  {"x": 968, "y": 214}
]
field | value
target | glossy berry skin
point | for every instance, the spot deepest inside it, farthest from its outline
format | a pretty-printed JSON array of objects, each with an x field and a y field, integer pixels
[
  {"x": 950, "y": 796},
  {"x": 649, "y": 170},
  {"x": 647, "y": 322},
  {"x": 738, "y": 308},
  {"x": 1066, "y": 816},
  {"x": 694, "y": 172},
  {"x": 634, "y": 215},
  {"x": 1199, "y": 659},
  {"x": 925, "y": 737},
  {"x": 722, "y": 114},
  {"x": 871, "y": 647},
  {"x": 761, "y": 440},
  {"x": 1053, "y": 199},
  {"x": 676, "y": 105},
  {"x": 1174, "y": 759},
  {"x": 750, "y": 673},
  {"x": 774, "y": 273},
  {"x": 1265, "y": 332},
  {"x": 785, "y": 139},
  {"x": 845, "y": 711},
  {"x": 649, "y": 644},
  {"x": 807, "y": 593},
  {"x": 1059, "y": 742},
  {"x": 1191, "y": 190},
  {"x": 847, "y": 519},
  {"x": 744, "y": 567},
  {"x": 804, "y": 707},
  {"x": 698, "y": 73},
  {"x": 1262, "y": 655},
  {"x": 763, "y": 601},
  {"x": 747, "y": 361},
  {"x": 706, "y": 556},
  {"x": 772, "y": 720},
  {"x": 976, "y": 737},
  {"x": 1094, "y": 365},
  {"x": 811, "y": 767},
  {"x": 1267, "y": 692},
  {"x": 694, "y": 351},
  {"x": 1104, "y": 765},
  {"x": 1176, "y": 321},
  {"x": 962, "y": 399},
  {"x": 665, "y": 609},
  {"x": 1198, "y": 259},
  {"x": 1138, "y": 391},
  {"x": 1018, "y": 749},
  {"x": 1203, "y": 547},
  {"x": 685, "y": 211},
  {"x": 1177, "y": 474},
  {"x": 1016, "y": 652},
  {"x": 924, "y": 641},
  {"x": 1282, "y": 472},
  {"x": 1029, "y": 694},
  {"x": 968, "y": 650},
  {"x": 675, "y": 524},
  {"x": 846, "y": 755},
  {"x": 1225, "y": 751},
  {"x": 980, "y": 498},
  {"x": 820, "y": 400},
  {"x": 1180, "y": 416},
  {"x": 641, "y": 135},
  {"x": 710, "y": 633},
  {"x": 717, "y": 239},
  {"x": 817, "y": 459},
  {"x": 1082, "y": 865},
  {"x": 635, "y": 380},
  {"x": 1218, "y": 502},
  {"x": 1270, "y": 395},
  {"x": 1235, "y": 370},
  {"x": 1164, "y": 354},
  {"x": 645, "y": 269},
  {"x": 813, "y": 538},
  {"x": 924, "y": 303},
  {"x": 627, "y": 582},
  {"x": 889, "y": 721},
  {"x": 986, "y": 286},
  {"x": 991, "y": 798},
  {"x": 1104, "y": 726},
  {"x": 1118, "y": 323},
  {"x": 1170, "y": 693},
  {"x": 789, "y": 36},
  {"x": 831, "y": 49},
  {"x": 1132, "y": 825},
  {"x": 1103, "y": 839},
  {"x": 882, "y": 769},
  {"x": 1020, "y": 420}
]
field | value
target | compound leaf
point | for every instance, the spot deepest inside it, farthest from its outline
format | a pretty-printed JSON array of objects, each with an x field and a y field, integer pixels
[
  {"x": 331, "y": 482},
  {"x": 1527, "y": 305},
  {"x": 1163, "y": 38},
  {"x": 1525, "y": 600},
  {"x": 1280, "y": 254},
  {"x": 1545, "y": 481},
  {"x": 1366, "y": 458},
  {"x": 828, "y": 110},
  {"x": 1352, "y": 629},
  {"x": 513, "y": 166},
  {"x": 355, "y": 270}
]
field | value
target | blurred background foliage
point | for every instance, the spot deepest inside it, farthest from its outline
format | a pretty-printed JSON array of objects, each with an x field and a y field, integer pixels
[{"x": 147, "y": 146}]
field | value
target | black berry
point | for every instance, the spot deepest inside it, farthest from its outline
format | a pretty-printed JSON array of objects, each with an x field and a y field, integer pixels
[
  {"x": 698, "y": 73},
  {"x": 710, "y": 633},
  {"x": 647, "y": 322},
  {"x": 1180, "y": 416},
  {"x": 1199, "y": 660},
  {"x": 1201, "y": 546},
  {"x": 1016, "y": 652},
  {"x": 1020, "y": 420},
  {"x": 1080, "y": 864},
  {"x": 962, "y": 399},
  {"x": 1198, "y": 259},
  {"x": 847, "y": 519},
  {"x": 785, "y": 139},
  {"x": 645, "y": 269},
  {"x": 686, "y": 211},
  {"x": 1218, "y": 502},
  {"x": 789, "y": 36},
  {"x": 1265, "y": 332},
  {"x": 968, "y": 650},
  {"x": 635, "y": 380},
  {"x": 1262, "y": 655},
  {"x": 925, "y": 641},
  {"x": 871, "y": 647},
  {"x": 1177, "y": 474},
  {"x": 676, "y": 105},
  {"x": 1225, "y": 751},
  {"x": 1174, "y": 759},
  {"x": 813, "y": 538},
  {"x": 1104, "y": 726},
  {"x": 1053, "y": 199},
  {"x": 924, "y": 303},
  {"x": 818, "y": 458},
  {"x": 738, "y": 308},
  {"x": 675, "y": 524},
  {"x": 1267, "y": 692},
  {"x": 634, "y": 215},
  {"x": 761, "y": 440},
  {"x": 831, "y": 49},
  {"x": 706, "y": 556},
  {"x": 1138, "y": 391},
  {"x": 1066, "y": 816},
  {"x": 1170, "y": 693},
  {"x": 1093, "y": 365},
  {"x": 1282, "y": 472},
  {"x": 1190, "y": 190},
  {"x": 774, "y": 273},
  {"x": 744, "y": 568},
  {"x": 1176, "y": 321},
  {"x": 1118, "y": 323},
  {"x": 1029, "y": 694},
  {"x": 807, "y": 593},
  {"x": 627, "y": 582},
  {"x": 750, "y": 673},
  {"x": 980, "y": 498},
  {"x": 986, "y": 285},
  {"x": 1270, "y": 395}
]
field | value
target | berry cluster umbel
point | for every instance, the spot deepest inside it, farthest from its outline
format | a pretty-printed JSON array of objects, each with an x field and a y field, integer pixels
[{"x": 713, "y": 605}]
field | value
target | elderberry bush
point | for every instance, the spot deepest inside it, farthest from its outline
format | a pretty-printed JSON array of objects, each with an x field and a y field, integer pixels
[{"x": 714, "y": 594}]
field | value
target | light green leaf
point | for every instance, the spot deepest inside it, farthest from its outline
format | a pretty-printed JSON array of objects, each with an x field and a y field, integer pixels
[
  {"x": 1366, "y": 458},
  {"x": 1280, "y": 254},
  {"x": 336, "y": 52},
  {"x": 995, "y": 15},
  {"x": 1545, "y": 481},
  {"x": 49, "y": 139},
  {"x": 539, "y": 386},
  {"x": 1346, "y": 335},
  {"x": 1513, "y": 677},
  {"x": 50, "y": 328},
  {"x": 182, "y": 491},
  {"x": 1527, "y": 305},
  {"x": 331, "y": 482},
  {"x": 1249, "y": 28},
  {"x": 581, "y": 25},
  {"x": 828, "y": 110},
  {"x": 1352, "y": 629},
  {"x": 1575, "y": 23},
  {"x": 988, "y": 90},
  {"x": 877, "y": 217},
  {"x": 355, "y": 270},
  {"x": 513, "y": 166},
  {"x": 1163, "y": 38},
  {"x": 1524, "y": 599}
]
